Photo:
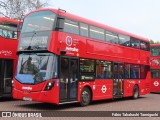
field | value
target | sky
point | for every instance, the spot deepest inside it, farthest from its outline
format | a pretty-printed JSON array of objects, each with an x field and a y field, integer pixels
[{"x": 140, "y": 17}]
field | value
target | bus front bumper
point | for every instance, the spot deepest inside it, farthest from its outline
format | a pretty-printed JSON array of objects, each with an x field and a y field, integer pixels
[{"x": 39, "y": 96}]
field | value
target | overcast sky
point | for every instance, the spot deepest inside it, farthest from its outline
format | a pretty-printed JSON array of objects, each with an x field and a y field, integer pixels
[{"x": 141, "y": 17}]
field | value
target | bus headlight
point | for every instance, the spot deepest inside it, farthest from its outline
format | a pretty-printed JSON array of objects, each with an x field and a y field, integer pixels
[
  {"x": 12, "y": 83},
  {"x": 49, "y": 86}
]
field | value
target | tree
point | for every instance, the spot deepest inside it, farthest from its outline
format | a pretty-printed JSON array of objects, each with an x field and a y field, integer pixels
[
  {"x": 15, "y": 9},
  {"x": 152, "y": 42}
]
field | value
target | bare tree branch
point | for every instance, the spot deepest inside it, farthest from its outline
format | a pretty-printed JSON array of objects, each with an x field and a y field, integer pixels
[{"x": 16, "y": 8}]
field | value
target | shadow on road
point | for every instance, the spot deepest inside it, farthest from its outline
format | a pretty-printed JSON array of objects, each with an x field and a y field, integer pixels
[
  {"x": 117, "y": 100},
  {"x": 6, "y": 99},
  {"x": 48, "y": 106},
  {"x": 154, "y": 93}
]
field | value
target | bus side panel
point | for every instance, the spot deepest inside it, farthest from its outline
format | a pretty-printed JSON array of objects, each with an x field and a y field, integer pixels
[
  {"x": 128, "y": 88},
  {"x": 111, "y": 52},
  {"x": 144, "y": 57},
  {"x": 155, "y": 85},
  {"x": 103, "y": 89},
  {"x": 81, "y": 85},
  {"x": 100, "y": 89},
  {"x": 8, "y": 48},
  {"x": 144, "y": 87}
]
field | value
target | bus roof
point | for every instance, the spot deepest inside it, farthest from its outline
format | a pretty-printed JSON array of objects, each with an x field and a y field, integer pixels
[
  {"x": 153, "y": 45},
  {"x": 5, "y": 19},
  {"x": 90, "y": 22}
]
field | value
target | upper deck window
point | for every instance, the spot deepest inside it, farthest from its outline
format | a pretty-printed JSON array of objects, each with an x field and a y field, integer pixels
[
  {"x": 8, "y": 30},
  {"x": 111, "y": 37},
  {"x": 155, "y": 51},
  {"x": 135, "y": 43},
  {"x": 144, "y": 45},
  {"x": 97, "y": 33},
  {"x": 84, "y": 29},
  {"x": 124, "y": 40},
  {"x": 39, "y": 21},
  {"x": 71, "y": 26}
]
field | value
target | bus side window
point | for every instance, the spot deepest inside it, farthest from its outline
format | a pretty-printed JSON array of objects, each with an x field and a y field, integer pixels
[
  {"x": 135, "y": 43},
  {"x": 155, "y": 73},
  {"x": 4, "y": 33},
  {"x": 124, "y": 40},
  {"x": 127, "y": 71},
  {"x": 9, "y": 34},
  {"x": 96, "y": 33},
  {"x": 144, "y": 70},
  {"x": 87, "y": 69},
  {"x": 83, "y": 29},
  {"x": 144, "y": 45},
  {"x": 15, "y": 36},
  {"x": 135, "y": 71},
  {"x": 121, "y": 71},
  {"x": 111, "y": 37},
  {"x": 0, "y": 32},
  {"x": 71, "y": 27},
  {"x": 103, "y": 69}
]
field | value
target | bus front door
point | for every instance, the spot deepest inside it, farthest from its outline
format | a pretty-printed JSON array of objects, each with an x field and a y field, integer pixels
[
  {"x": 68, "y": 79},
  {"x": 6, "y": 74},
  {"x": 118, "y": 80}
]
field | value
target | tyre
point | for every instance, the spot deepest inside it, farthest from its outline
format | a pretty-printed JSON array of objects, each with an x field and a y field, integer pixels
[
  {"x": 135, "y": 92},
  {"x": 85, "y": 97}
]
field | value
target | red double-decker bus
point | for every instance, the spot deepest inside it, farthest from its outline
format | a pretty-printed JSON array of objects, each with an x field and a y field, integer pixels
[
  {"x": 155, "y": 68},
  {"x": 64, "y": 58},
  {"x": 8, "y": 57}
]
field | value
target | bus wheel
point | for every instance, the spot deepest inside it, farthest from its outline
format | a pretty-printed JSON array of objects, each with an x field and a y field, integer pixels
[
  {"x": 135, "y": 92},
  {"x": 85, "y": 97}
]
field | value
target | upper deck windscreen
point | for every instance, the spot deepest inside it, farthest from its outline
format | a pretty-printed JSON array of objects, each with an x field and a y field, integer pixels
[
  {"x": 36, "y": 30},
  {"x": 38, "y": 21}
]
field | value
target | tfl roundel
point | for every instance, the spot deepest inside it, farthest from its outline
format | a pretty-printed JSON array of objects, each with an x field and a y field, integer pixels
[{"x": 68, "y": 41}]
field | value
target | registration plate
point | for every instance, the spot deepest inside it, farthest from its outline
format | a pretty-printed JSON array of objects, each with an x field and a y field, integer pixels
[{"x": 27, "y": 99}]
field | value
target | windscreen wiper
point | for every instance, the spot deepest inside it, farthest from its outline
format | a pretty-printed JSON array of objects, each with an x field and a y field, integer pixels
[{"x": 29, "y": 47}]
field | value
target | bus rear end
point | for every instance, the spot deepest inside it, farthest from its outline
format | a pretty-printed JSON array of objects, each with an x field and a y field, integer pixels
[
  {"x": 8, "y": 57},
  {"x": 155, "y": 68}
]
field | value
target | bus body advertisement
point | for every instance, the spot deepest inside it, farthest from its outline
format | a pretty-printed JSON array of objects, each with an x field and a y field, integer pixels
[
  {"x": 8, "y": 57},
  {"x": 64, "y": 58},
  {"x": 155, "y": 68}
]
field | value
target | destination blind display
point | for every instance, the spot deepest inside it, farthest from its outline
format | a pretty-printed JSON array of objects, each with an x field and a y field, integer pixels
[{"x": 34, "y": 41}]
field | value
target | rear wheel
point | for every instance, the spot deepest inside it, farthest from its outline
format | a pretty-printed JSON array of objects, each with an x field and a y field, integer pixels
[
  {"x": 135, "y": 92},
  {"x": 85, "y": 97}
]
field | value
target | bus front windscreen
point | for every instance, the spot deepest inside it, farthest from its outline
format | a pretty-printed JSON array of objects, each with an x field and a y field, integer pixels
[{"x": 36, "y": 68}]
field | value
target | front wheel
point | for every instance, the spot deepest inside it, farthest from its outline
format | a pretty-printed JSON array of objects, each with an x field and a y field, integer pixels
[
  {"x": 135, "y": 92},
  {"x": 85, "y": 97}
]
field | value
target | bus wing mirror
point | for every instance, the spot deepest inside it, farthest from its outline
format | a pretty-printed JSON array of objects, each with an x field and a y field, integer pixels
[{"x": 60, "y": 23}]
